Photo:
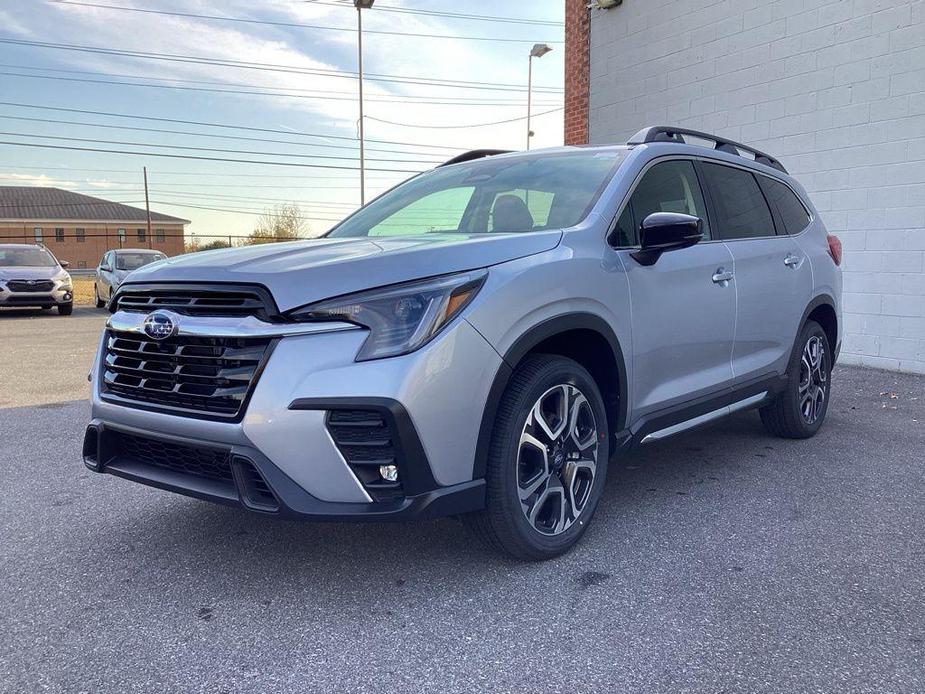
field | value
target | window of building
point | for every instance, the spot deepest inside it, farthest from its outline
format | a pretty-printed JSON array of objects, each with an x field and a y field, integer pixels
[
  {"x": 38, "y": 235},
  {"x": 142, "y": 237},
  {"x": 791, "y": 213},
  {"x": 742, "y": 211},
  {"x": 121, "y": 233},
  {"x": 159, "y": 235},
  {"x": 81, "y": 264},
  {"x": 81, "y": 235},
  {"x": 59, "y": 235}
]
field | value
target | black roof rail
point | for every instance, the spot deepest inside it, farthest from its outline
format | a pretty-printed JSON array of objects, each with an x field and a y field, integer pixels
[
  {"x": 474, "y": 154},
  {"x": 665, "y": 133}
]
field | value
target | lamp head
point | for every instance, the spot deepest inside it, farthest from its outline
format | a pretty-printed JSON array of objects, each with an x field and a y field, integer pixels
[
  {"x": 538, "y": 50},
  {"x": 363, "y": 4}
]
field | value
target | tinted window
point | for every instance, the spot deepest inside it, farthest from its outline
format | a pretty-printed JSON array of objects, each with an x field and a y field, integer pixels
[
  {"x": 742, "y": 212},
  {"x": 517, "y": 194},
  {"x": 671, "y": 186},
  {"x": 790, "y": 210}
]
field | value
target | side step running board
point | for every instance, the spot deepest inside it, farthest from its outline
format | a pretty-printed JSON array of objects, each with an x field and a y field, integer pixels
[{"x": 704, "y": 418}]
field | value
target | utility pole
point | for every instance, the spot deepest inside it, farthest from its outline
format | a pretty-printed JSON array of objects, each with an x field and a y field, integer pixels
[
  {"x": 147, "y": 206},
  {"x": 361, "y": 5}
]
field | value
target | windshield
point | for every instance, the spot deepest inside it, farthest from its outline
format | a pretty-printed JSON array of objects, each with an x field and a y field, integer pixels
[
  {"x": 133, "y": 261},
  {"x": 523, "y": 194},
  {"x": 26, "y": 257}
]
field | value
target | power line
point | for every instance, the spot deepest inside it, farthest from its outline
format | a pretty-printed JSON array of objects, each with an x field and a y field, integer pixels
[
  {"x": 327, "y": 177},
  {"x": 229, "y": 126},
  {"x": 246, "y": 20},
  {"x": 195, "y": 158},
  {"x": 452, "y": 15},
  {"x": 468, "y": 125},
  {"x": 276, "y": 67},
  {"x": 246, "y": 92},
  {"x": 211, "y": 149},
  {"x": 314, "y": 93}
]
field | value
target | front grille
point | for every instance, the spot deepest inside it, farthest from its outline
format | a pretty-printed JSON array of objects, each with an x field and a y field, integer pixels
[
  {"x": 366, "y": 441},
  {"x": 209, "y": 376},
  {"x": 205, "y": 463},
  {"x": 30, "y": 285},
  {"x": 197, "y": 300}
]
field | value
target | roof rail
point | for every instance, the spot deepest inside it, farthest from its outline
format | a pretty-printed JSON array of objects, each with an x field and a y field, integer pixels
[
  {"x": 474, "y": 154},
  {"x": 664, "y": 133}
]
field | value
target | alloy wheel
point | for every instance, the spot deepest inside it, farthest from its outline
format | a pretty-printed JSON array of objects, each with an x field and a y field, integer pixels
[
  {"x": 557, "y": 459},
  {"x": 813, "y": 379}
]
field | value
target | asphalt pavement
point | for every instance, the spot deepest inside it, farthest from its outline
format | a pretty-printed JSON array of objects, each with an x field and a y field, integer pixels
[{"x": 723, "y": 560}]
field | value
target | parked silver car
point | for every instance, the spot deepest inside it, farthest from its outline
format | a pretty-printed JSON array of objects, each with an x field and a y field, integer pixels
[
  {"x": 115, "y": 266},
  {"x": 479, "y": 341},
  {"x": 31, "y": 277}
]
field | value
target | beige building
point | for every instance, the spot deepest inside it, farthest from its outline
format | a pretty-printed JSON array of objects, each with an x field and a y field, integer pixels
[{"x": 81, "y": 228}]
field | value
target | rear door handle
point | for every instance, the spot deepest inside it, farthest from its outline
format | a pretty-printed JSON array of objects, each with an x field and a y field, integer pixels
[
  {"x": 722, "y": 276},
  {"x": 792, "y": 260}
]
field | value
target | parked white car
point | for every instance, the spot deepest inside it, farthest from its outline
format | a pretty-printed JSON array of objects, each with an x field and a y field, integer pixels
[{"x": 115, "y": 267}]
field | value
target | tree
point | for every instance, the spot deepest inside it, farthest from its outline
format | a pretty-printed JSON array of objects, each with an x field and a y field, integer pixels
[
  {"x": 279, "y": 223},
  {"x": 193, "y": 245}
]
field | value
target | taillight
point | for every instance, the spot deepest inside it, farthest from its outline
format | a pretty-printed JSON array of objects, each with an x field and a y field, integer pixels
[{"x": 834, "y": 248}]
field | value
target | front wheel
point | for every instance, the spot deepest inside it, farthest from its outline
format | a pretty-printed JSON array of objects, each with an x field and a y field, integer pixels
[
  {"x": 66, "y": 309},
  {"x": 799, "y": 410},
  {"x": 96, "y": 296},
  {"x": 547, "y": 460}
]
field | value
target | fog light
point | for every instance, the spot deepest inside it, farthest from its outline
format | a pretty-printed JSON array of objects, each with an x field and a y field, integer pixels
[
  {"x": 68, "y": 296},
  {"x": 389, "y": 473}
]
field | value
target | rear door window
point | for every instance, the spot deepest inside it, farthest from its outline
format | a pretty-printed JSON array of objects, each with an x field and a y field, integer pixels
[
  {"x": 741, "y": 209},
  {"x": 791, "y": 213}
]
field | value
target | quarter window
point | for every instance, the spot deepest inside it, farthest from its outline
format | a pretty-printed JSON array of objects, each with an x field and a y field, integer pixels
[
  {"x": 671, "y": 186},
  {"x": 741, "y": 210},
  {"x": 790, "y": 211}
]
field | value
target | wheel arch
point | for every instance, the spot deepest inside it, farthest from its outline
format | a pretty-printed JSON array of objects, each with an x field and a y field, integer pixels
[
  {"x": 584, "y": 337},
  {"x": 822, "y": 310}
]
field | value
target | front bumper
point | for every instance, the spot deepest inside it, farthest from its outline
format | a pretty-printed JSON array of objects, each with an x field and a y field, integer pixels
[
  {"x": 432, "y": 398},
  {"x": 61, "y": 294}
]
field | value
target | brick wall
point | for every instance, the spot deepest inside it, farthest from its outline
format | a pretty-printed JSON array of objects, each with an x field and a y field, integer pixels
[
  {"x": 577, "y": 55},
  {"x": 834, "y": 88},
  {"x": 97, "y": 239}
]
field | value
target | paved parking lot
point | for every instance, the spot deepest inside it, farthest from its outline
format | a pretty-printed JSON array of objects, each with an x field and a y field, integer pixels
[{"x": 720, "y": 561}]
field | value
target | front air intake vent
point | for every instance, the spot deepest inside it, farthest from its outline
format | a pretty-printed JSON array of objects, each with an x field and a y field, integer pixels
[{"x": 368, "y": 444}]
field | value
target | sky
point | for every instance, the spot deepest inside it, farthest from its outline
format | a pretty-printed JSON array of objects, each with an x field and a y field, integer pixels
[{"x": 283, "y": 75}]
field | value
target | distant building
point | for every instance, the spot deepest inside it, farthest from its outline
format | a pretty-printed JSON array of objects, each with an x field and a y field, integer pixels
[{"x": 80, "y": 228}]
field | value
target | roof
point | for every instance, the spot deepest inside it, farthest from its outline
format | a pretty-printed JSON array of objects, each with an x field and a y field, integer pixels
[{"x": 32, "y": 202}]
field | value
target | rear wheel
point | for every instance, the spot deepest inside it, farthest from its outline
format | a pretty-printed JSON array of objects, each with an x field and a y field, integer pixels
[
  {"x": 66, "y": 309},
  {"x": 798, "y": 411},
  {"x": 547, "y": 462}
]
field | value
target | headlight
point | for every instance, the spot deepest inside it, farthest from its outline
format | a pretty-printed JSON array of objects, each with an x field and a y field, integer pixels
[{"x": 400, "y": 318}]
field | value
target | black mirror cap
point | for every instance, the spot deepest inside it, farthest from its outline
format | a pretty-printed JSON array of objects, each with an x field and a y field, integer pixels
[
  {"x": 64, "y": 264},
  {"x": 667, "y": 231}
]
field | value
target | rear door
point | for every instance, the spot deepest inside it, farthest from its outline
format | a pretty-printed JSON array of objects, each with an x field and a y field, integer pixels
[
  {"x": 683, "y": 318},
  {"x": 773, "y": 276}
]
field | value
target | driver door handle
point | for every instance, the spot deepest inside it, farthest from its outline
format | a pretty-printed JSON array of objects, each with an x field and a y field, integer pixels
[{"x": 722, "y": 276}]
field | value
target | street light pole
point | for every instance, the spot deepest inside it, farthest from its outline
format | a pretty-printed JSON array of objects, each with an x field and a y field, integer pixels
[
  {"x": 361, "y": 5},
  {"x": 538, "y": 51}
]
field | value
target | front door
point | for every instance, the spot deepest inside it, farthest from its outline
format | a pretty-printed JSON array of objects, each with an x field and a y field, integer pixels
[{"x": 683, "y": 306}]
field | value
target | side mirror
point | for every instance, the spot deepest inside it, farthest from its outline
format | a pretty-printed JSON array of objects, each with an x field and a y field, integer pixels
[
  {"x": 64, "y": 264},
  {"x": 666, "y": 231}
]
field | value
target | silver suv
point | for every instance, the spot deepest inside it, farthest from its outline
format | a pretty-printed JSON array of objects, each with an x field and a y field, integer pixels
[
  {"x": 479, "y": 341},
  {"x": 31, "y": 277}
]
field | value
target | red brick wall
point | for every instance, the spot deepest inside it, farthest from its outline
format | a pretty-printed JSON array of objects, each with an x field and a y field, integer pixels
[
  {"x": 577, "y": 71},
  {"x": 97, "y": 239}
]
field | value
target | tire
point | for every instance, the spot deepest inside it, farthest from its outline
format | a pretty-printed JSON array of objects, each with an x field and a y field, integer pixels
[
  {"x": 561, "y": 482},
  {"x": 96, "y": 295},
  {"x": 66, "y": 309},
  {"x": 798, "y": 412}
]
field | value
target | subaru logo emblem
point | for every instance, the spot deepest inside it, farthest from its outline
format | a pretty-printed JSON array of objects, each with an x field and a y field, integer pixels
[{"x": 160, "y": 325}]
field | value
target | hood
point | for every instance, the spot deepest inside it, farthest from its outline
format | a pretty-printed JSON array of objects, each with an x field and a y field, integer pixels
[
  {"x": 29, "y": 273},
  {"x": 304, "y": 272}
]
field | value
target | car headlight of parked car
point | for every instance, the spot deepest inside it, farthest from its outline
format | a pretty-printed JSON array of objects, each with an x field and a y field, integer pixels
[
  {"x": 400, "y": 318},
  {"x": 65, "y": 279}
]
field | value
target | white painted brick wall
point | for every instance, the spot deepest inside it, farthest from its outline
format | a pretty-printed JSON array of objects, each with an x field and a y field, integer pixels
[{"x": 835, "y": 88}]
